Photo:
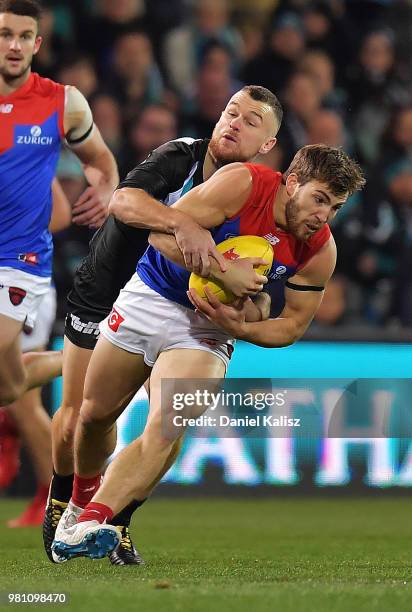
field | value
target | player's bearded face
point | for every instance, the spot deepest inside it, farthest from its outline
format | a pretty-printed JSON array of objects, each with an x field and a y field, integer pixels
[
  {"x": 299, "y": 224},
  {"x": 244, "y": 127},
  {"x": 13, "y": 67},
  {"x": 311, "y": 206},
  {"x": 227, "y": 152},
  {"x": 18, "y": 43}
]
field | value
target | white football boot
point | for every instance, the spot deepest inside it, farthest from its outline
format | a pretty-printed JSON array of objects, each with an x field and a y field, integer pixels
[{"x": 86, "y": 539}]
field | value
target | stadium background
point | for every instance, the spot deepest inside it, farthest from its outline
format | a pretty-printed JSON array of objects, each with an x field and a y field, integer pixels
[{"x": 157, "y": 70}]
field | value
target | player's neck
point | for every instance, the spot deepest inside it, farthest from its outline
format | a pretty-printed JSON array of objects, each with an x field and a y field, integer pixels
[
  {"x": 279, "y": 207},
  {"x": 9, "y": 86},
  {"x": 210, "y": 165}
]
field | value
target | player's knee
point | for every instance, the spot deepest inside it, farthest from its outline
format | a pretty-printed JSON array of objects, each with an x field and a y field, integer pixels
[
  {"x": 68, "y": 431},
  {"x": 92, "y": 418},
  {"x": 67, "y": 417}
]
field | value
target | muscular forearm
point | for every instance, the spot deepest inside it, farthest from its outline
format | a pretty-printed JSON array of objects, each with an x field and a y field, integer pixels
[
  {"x": 273, "y": 333},
  {"x": 137, "y": 208},
  {"x": 167, "y": 246}
]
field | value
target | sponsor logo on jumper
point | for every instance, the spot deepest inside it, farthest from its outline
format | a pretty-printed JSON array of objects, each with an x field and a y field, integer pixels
[
  {"x": 6, "y": 108},
  {"x": 35, "y": 137},
  {"x": 279, "y": 272},
  {"x": 272, "y": 239}
]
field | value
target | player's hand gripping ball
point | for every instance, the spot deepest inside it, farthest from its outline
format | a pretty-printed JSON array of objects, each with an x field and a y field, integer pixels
[{"x": 232, "y": 249}]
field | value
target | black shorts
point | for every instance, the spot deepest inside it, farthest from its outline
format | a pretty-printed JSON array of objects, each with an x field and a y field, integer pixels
[
  {"x": 114, "y": 252},
  {"x": 85, "y": 309}
]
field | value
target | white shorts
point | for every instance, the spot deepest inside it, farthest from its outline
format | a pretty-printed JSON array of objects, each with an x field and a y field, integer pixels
[
  {"x": 21, "y": 294},
  {"x": 143, "y": 321},
  {"x": 39, "y": 336}
]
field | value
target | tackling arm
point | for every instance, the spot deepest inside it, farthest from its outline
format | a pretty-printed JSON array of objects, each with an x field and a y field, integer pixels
[
  {"x": 210, "y": 204},
  {"x": 188, "y": 243}
]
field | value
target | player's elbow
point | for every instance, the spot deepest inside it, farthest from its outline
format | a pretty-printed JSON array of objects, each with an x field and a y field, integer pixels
[
  {"x": 119, "y": 205},
  {"x": 293, "y": 332},
  {"x": 296, "y": 332},
  {"x": 289, "y": 341},
  {"x": 127, "y": 206}
]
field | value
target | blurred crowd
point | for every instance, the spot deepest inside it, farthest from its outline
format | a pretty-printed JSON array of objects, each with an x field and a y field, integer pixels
[{"x": 155, "y": 70}]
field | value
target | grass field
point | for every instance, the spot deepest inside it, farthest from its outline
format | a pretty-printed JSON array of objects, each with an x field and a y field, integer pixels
[{"x": 215, "y": 554}]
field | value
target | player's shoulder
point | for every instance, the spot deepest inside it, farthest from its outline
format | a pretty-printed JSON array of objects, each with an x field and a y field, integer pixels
[
  {"x": 192, "y": 148},
  {"x": 45, "y": 86},
  {"x": 177, "y": 157},
  {"x": 264, "y": 174},
  {"x": 246, "y": 174},
  {"x": 261, "y": 169},
  {"x": 235, "y": 171}
]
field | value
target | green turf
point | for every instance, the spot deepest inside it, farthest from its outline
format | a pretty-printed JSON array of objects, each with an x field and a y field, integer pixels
[{"x": 219, "y": 555}]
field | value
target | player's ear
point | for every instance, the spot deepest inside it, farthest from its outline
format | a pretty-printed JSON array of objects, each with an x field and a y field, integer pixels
[
  {"x": 37, "y": 44},
  {"x": 292, "y": 184},
  {"x": 268, "y": 146}
]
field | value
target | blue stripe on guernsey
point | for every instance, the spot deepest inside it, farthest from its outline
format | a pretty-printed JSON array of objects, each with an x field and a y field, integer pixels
[
  {"x": 170, "y": 280},
  {"x": 26, "y": 172},
  {"x": 187, "y": 186}
]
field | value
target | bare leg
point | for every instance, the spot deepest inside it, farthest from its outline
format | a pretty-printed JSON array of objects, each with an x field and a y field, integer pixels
[
  {"x": 111, "y": 381},
  {"x": 18, "y": 372},
  {"x": 41, "y": 368},
  {"x": 75, "y": 363},
  {"x": 12, "y": 374},
  {"x": 135, "y": 471},
  {"x": 174, "y": 453},
  {"x": 34, "y": 426}
]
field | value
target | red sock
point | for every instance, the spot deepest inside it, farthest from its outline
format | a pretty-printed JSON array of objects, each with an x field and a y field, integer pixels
[
  {"x": 96, "y": 512},
  {"x": 84, "y": 489}
]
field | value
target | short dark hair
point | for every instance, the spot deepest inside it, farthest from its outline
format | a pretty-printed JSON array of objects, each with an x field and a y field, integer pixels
[
  {"x": 25, "y": 8},
  {"x": 328, "y": 165},
  {"x": 261, "y": 94}
]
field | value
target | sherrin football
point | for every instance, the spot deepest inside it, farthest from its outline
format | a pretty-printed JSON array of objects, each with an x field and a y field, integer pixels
[{"x": 232, "y": 249}]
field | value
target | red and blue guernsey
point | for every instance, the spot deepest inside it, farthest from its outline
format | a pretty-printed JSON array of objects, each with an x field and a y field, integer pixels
[
  {"x": 31, "y": 131},
  {"x": 255, "y": 218}
]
